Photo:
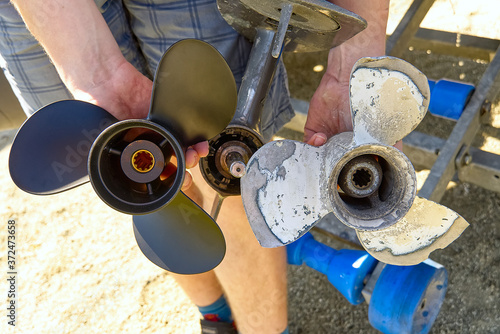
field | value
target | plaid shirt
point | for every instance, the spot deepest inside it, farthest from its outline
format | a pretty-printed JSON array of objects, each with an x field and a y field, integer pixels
[{"x": 144, "y": 30}]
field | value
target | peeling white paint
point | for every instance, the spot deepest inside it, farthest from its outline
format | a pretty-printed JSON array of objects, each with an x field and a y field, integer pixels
[
  {"x": 291, "y": 199},
  {"x": 386, "y": 105},
  {"x": 422, "y": 225},
  {"x": 426, "y": 227}
]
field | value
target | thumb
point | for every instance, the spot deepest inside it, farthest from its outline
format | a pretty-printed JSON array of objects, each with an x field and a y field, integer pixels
[{"x": 316, "y": 139}]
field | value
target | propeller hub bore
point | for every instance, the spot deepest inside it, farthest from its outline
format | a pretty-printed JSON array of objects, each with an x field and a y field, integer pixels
[
  {"x": 372, "y": 186},
  {"x": 143, "y": 161},
  {"x": 361, "y": 177}
]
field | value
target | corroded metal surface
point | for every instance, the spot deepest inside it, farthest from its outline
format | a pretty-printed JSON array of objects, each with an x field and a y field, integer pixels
[
  {"x": 313, "y": 26},
  {"x": 290, "y": 185},
  {"x": 284, "y": 197}
]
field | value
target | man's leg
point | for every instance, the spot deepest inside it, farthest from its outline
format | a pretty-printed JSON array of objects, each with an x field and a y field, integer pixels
[
  {"x": 203, "y": 289},
  {"x": 253, "y": 277}
]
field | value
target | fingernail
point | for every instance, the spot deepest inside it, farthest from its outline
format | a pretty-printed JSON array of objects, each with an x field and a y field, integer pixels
[
  {"x": 319, "y": 140},
  {"x": 187, "y": 182}
]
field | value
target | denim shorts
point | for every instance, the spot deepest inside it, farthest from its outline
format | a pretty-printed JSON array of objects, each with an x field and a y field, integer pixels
[{"x": 144, "y": 30}]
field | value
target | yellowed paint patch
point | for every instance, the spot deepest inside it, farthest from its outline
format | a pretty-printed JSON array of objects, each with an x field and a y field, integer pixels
[
  {"x": 426, "y": 227},
  {"x": 387, "y": 105}
]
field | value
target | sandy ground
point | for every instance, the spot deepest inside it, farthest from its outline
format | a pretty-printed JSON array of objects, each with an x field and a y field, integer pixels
[{"x": 80, "y": 270}]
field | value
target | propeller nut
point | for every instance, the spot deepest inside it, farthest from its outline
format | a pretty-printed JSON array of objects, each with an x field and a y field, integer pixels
[{"x": 237, "y": 169}]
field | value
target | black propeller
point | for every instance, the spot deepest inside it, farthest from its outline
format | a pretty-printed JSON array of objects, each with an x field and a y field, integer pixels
[{"x": 137, "y": 166}]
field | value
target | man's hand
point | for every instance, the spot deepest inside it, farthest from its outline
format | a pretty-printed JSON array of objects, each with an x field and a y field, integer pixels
[
  {"x": 329, "y": 110},
  {"x": 126, "y": 93}
]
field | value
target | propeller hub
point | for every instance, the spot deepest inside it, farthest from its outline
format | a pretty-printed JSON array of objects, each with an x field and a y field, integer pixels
[
  {"x": 136, "y": 166},
  {"x": 372, "y": 187},
  {"x": 142, "y": 161}
]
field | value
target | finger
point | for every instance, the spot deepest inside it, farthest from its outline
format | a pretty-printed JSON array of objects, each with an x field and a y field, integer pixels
[
  {"x": 317, "y": 139},
  {"x": 201, "y": 148},
  {"x": 399, "y": 145},
  {"x": 192, "y": 157},
  {"x": 188, "y": 181},
  {"x": 195, "y": 152},
  {"x": 308, "y": 135}
]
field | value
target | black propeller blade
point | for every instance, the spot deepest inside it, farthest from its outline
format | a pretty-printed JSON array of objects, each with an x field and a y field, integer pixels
[
  {"x": 194, "y": 92},
  {"x": 167, "y": 237},
  {"x": 137, "y": 166},
  {"x": 50, "y": 151}
]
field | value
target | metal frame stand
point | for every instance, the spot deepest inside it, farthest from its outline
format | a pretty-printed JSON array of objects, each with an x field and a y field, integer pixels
[{"x": 453, "y": 156}]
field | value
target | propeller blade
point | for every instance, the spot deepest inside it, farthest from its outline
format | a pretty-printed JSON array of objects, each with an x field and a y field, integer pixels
[
  {"x": 180, "y": 237},
  {"x": 389, "y": 98},
  {"x": 194, "y": 92},
  {"x": 282, "y": 196},
  {"x": 50, "y": 151},
  {"x": 426, "y": 227}
]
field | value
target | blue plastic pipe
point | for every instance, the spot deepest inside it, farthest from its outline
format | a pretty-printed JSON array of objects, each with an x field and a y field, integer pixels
[
  {"x": 345, "y": 269},
  {"x": 449, "y": 98}
]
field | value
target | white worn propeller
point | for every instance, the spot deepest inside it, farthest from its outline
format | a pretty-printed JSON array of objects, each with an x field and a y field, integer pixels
[{"x": 359, "y": 176}]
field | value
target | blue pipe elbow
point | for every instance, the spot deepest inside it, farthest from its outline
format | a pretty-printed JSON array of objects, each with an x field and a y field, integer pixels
[
  {"x": 449, "y": 98},
  {"x": 346, "y": 269}
]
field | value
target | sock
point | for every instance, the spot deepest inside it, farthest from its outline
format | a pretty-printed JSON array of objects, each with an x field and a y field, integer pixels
[{"x": 218, "y": 311}]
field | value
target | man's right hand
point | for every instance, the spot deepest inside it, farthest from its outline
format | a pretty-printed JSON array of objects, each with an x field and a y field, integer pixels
[{"x": 126, "y": 93}]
